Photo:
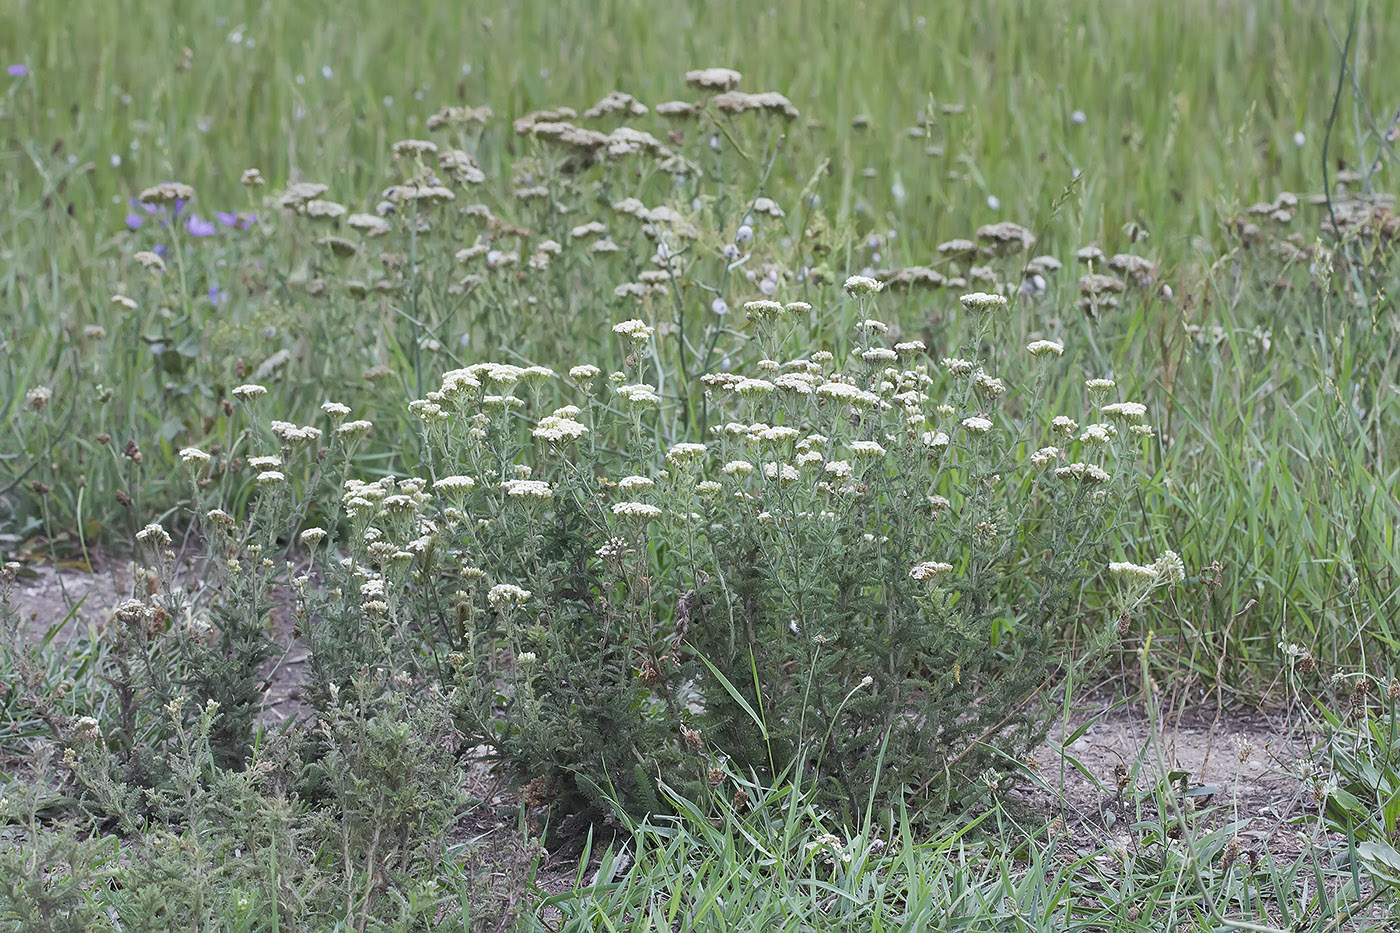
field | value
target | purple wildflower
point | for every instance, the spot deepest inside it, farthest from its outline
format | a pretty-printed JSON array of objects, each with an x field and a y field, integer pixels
[
  {"x": 198, "y": 226},
  {"x": 134, "y": 221},
  {"x": 217, "y": 295},
  {"x": 160, "y": 249},
  {"x": 236, "y": 220},
  {"x": 17, "y": 71}
]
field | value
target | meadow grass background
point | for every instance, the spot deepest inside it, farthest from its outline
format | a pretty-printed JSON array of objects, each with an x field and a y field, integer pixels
[
  {"x": 1278, "y": 461},
  {"x": 1277, "y": 408}
]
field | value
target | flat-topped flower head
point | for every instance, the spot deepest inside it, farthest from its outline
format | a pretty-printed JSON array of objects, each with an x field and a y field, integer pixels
[
  {"x": 527, "y": 489},
  {"x": 957, "y": 366},
  {"x": 584, "y": 373},
  {"x": 334, "y": 410},
  {"x": 860, "y": 286},
  {"x": 507, "y": 595},
  {"x": 867, "y": 449},
  {"x": 635, "y": 330},
  {"x": 1100, "y": 433},
  {"x": 977, "y": 424},
  {"x": 639, "y": 394},
  {"x": 936, "y": 441},
  {"x": 193, "y": 455},
  {"x": 685, "y": 454},
  {"x": 639, "y": 510},
  {"x": 737, "y": 468},
  {"x": 454, "y": 484},
  {"x": 1126, "y": 411},
  {"x": 713, "y": 79},
  {"x": 249, "y": 391},
  {"x": 1084, "y": 472},
  {"x": 1099, "y": 385},
  {"x": 762, "y": 309},
  {"x": 753, "y": 388},
  {"x": 1045, "y": 348},
  {"x": 167, "y": 192},
  {"x": 1045, "y": 456},
  {"x": 149, "y": 260},
  {"x": 559, "y": 429},
  {"x": 1170, "y": 568},
  {"x": 983, "y": 302},
  {"x": 633, "y": 483},
  {"x": 1132, "y": 573},
  {"x": 926, "y": 571}
]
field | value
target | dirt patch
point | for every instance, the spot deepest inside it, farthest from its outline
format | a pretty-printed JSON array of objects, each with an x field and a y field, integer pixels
[{"x": 1108, "y": 756}]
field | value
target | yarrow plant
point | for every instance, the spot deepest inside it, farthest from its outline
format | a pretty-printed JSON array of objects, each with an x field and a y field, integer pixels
[{"x": 857, "y": 568}]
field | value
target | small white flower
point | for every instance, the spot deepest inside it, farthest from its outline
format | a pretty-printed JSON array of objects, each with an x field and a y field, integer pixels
[
  {"x": 867, "y": 449},
  {"x": 937, "y": 441},
  {"x": 504, "y": 595},
  {"x": 193, "y": 455},
  {"x": 558, "y": 429},
  {"x": 858, "y": 286},
  {"x": 983, "y": 302},
  {"x": 929, "y": 570},
  {"x": 878, "y": 355},
  {"x": 335, "y": 410},
  {"x": 1099, "y": 385},
  {"x": 754, "y": 387},
  {"x": 1132, "y": 572},
  {"x": 527, "y": 489},
  {"x": 1045, "y": 456},
  {"x": 635, "y": 330},
  {"x": 1045, "y": 348},
  {"x": 1128, "y": 411},
  {"x": 455, "y": 483},
  {"x": 1098, "y": 433},
  {"x": 639, "y": 394},
  {"x": 154, "y": 536},
  {"x": 957, "y": 366},
  {"x": 977, "y": 424},
  {"x": 313, "y": 536},
  {"x": 248, "y": 392},
  {"x": 630, "y": 483},
  {"x": 685, "y": 453},
  {"x": 641, "y": 510},
  {"x": 270, "y": 478},
  {"x": 1170, "y": 568},
  {"x": 737, "y": 468},
  {"x": 584, "y": 373}
]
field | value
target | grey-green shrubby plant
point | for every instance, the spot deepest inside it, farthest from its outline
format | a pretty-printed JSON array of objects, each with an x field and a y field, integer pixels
[{"x": 865, "y": 567}]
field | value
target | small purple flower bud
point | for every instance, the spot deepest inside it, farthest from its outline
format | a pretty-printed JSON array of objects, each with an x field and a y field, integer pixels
[
  {"x": 227, "y": 218},
  {"x": 134, "y": 221},
  {"x": 17, "y": 71}
]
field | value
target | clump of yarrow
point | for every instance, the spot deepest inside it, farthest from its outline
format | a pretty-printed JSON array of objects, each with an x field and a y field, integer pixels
[{"x": 872, "y": 552}]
